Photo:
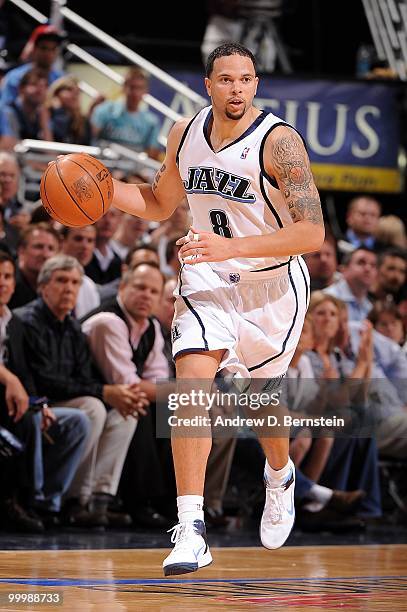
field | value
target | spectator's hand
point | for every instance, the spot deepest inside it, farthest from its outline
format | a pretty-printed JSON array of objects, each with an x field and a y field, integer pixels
[
  {"x": 20, "y": 220},
  {"x": 329, "y": 371},
  {"x": 143, "y": 401},
  {"x": 365, "y": 353},
  {"x": 124, "y": 398},
  {"x": 48, "y": 418},
  {"x": 16, "y": 398},
  {"x": 342, "y": 337}
]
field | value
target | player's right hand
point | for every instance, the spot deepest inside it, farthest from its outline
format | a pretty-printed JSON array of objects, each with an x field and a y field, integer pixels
[{"x": 205, "y": 247}]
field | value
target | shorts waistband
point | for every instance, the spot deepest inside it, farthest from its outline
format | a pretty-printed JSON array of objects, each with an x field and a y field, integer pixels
[{"x": 254, "y": 276}]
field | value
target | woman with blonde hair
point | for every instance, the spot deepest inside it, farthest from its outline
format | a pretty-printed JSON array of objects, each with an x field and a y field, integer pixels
[
  {"x": 329, "y": 320},
  {"x": 68, "y": 124},
  {"x": 391, "y": 231},
  {"x": 319, "y": 505},
  {"x": 353, "y": 461}
]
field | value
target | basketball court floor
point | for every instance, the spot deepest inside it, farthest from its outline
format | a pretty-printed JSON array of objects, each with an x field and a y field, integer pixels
[{"x": 358, "y": 576}]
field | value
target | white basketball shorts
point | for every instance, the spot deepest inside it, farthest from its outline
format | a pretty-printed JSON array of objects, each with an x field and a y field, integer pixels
[{"x": 257, "y": 317}]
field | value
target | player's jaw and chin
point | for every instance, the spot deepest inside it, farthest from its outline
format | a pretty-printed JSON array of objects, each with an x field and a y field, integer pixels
[
  {"x": 237, "y": 114},
  {"x": 226, "y": 109}
]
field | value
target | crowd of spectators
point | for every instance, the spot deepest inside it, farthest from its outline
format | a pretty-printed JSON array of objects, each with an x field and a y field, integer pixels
[
  {"x": 85, "y": 333},
  {"x": 40, "y": 102}
]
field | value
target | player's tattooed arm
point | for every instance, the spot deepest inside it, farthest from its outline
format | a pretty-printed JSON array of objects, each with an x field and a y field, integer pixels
[
  {"x": 158, "y": 176},
  {"x": 292, "y": 170},
  {"x": 158, "y": 201}
]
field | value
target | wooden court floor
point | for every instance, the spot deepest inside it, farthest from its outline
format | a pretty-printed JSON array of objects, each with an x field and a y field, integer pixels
[{"x": 292, "y": 578}]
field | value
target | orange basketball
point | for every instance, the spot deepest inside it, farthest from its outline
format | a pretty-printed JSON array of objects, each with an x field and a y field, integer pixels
[{"x": 76, "y": 189}]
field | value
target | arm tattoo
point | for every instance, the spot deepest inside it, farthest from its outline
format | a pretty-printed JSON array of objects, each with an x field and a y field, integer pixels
[
  {"x": 158, "y": 176},
  {"x": 294, "y": 176}
]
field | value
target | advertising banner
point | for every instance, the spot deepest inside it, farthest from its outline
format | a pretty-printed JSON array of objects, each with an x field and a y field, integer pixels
[{"x": 351, "y": 128}]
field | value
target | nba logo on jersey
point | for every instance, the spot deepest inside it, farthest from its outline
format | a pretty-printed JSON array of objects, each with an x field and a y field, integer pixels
[
  {"x": 175, "y": 333},
  {"x": 245, "y": 152}
]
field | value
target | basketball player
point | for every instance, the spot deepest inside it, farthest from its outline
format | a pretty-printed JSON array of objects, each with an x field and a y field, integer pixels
[{"x": 243, "y": 287}]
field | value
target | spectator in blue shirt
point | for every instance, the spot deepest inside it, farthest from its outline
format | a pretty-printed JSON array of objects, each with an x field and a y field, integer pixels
[
  {"x": 26, "y": 117},
  {"x": 43, "y": 47},
  {"x": 362, "y": 221},
  {"x": 387, "y": 320},
  {"x": 123, "y": 121},
  {"x": 359, "y": 276},
  {"x": 387, "y": 389}
]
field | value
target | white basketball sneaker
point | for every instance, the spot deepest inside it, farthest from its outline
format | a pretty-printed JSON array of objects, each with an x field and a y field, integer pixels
[
  {"x": 279, "y": 512},
  {"x": 191, "y": 549}
]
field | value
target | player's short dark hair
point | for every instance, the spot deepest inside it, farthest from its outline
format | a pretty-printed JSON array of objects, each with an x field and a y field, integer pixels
[{"x": 231, "y": 48}]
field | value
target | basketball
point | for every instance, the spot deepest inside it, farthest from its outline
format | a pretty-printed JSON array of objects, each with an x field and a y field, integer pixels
[{"x": 76, "y": 189}]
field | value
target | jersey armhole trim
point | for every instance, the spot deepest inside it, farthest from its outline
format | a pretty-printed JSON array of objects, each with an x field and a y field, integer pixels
[
  {"x": 265, "y": 175},
  {"x": 268, "y": 201},
  {"x": 271, "y": 179},
  {"x": 183, "y": 137}
]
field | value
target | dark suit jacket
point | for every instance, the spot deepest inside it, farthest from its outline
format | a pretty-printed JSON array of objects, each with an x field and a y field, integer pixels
[
  {"x": 17, "y": 361},
  {"x": 101, "y": 277}
]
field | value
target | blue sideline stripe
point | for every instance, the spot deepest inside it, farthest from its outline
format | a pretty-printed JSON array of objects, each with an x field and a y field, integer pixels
[{"x": 147, "y": 581}]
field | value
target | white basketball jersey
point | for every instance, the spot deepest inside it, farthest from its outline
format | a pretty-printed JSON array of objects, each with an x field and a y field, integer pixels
[{"x": 229, "y": 190}]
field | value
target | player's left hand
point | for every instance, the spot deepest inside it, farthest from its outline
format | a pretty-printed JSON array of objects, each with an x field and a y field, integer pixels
[{"x": 198, "y": 247}]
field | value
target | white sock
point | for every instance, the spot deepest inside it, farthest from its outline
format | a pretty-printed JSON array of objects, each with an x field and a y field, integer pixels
[
  {"x": 275, "y": 478},
  {"x": 190, "y": 508},
  {"x": 313, "y": 506},
  {"x": 319, "y": 496}
]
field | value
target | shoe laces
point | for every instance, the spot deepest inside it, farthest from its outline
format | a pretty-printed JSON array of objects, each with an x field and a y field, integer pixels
[
  {"x": 180, "y": 532},
  {"x": 276, "y": 506}
]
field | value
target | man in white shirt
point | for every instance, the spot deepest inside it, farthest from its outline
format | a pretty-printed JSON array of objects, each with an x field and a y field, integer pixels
[
  {"x": 128, "y": 347},
  {"x": 115, "y": 331}
]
